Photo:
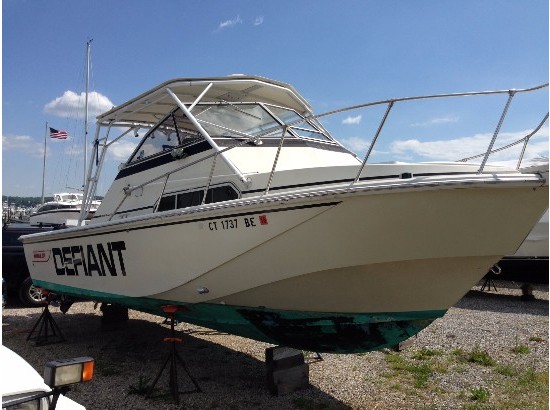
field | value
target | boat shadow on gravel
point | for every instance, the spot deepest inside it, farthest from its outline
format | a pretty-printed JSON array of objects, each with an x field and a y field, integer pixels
[
  {"x": 130, "y": 355},
  {"x": 503, "y": 303}
]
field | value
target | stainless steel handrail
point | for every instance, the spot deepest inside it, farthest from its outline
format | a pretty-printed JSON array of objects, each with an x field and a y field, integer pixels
[
  {"x": 423, "y": 97},
  {"x": 524, "y": 139},
  {"x": 391, "y": 103},
  {"x": 272, "y": 173},
  {"x": 511, "y": 93},
  {"x": 497, "y": 130},
  {"x": 367, "y": 155},
  {"x": 209, "y": 179}
]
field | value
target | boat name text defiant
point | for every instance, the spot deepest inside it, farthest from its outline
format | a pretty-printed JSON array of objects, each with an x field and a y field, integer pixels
[{"x": 87, "y": 259}]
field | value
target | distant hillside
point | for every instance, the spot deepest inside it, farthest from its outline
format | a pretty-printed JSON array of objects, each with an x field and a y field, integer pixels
[{"x": 28, "y": 201}]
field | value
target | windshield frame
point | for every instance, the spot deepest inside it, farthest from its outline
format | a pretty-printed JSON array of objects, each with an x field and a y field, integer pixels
[{"x": 271, "y": 127}]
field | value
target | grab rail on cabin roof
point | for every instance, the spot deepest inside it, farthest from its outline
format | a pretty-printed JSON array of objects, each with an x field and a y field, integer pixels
[{"x": 248, "y": 138}]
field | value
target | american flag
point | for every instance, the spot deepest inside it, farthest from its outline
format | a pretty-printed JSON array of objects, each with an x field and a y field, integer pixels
[{"x": 60, "y": 135}]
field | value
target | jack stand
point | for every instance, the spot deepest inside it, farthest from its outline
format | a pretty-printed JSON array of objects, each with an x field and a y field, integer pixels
[
  {"x": 46, "y": 323},
  {"x": 495, "y": 270},
  {"x": 174, "y": 358},
  {"x": 318, "y": 358},
  {"x": 487, "y": 285},
  {"x": 169, "y": 321}
]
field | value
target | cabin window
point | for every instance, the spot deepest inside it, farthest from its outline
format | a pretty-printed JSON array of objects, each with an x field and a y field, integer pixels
[
  {"x": 173, "y": 131},
  {"x": 188, "y": 199},
  {"x": 194, "y": 198},
  {"x": 70, "y": 197},
  {"x": 220, "y": 194},
  {"x": 167, "y": 203}
]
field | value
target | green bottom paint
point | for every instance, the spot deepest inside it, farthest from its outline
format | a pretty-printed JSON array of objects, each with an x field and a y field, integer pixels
[{"x": 313, "y": 331}]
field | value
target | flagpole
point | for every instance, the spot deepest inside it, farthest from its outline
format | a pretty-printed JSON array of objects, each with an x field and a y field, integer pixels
[{"x": 44, "y": 163}]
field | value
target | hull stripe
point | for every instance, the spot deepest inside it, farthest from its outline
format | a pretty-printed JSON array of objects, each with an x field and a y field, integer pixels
[
  {"x": 340, "y": 181},
  {"x": 138, "y": 228}
]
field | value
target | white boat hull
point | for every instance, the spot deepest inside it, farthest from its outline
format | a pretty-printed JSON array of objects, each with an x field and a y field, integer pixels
[
  {"x": 68, "y": 217},
  {"x": 241, "y": 211},
  {"x": 402, "y": 254}
]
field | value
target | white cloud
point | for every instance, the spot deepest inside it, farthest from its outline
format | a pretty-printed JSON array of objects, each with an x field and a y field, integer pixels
[
  {"x": 259, "y": 20},
  {"x": 229, "y": 23},
  {"x": 356, "y": 144},
  {"x": 436, "y": 121},
  {"x": 455, "y": 149},
  {"x": 121, "y": 150},
  {"x": 24, "y": 144},
  {"x": 352, "y": 120},
  {"x": 71, "y": 105},
  {"x": 414, "y": 150}
]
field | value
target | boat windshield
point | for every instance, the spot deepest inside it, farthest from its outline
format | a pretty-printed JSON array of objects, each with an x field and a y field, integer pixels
[
  {"x": 69, "y": 197},
  {"x": 234, "y": 120},
  {"x": 225, "y": 120},
  {"x": 174, "y": 130},
  {"x": 229, "y": 120},
  {"x": 302, "y": 128}
]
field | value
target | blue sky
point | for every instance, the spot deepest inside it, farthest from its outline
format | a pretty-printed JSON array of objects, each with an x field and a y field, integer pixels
[{"x": 336, "y": 53}]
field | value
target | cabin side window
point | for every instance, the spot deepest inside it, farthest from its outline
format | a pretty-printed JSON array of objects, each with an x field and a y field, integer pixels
[
  {"x": 173, "y": 131},
  {"x": 194, "y": 198}
]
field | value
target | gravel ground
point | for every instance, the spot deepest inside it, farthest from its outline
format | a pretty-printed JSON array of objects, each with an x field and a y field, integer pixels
[{"x": 439, "y": 370}]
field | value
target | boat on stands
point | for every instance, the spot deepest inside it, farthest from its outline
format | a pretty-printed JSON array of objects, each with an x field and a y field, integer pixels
[
  {"x": 530, "y": 262},
  {"x": 64, "y": 210},
  {"x": 238, "y": 208}
]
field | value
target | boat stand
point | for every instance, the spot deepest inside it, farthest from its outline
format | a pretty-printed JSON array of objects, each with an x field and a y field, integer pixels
[
  {"x": 488, "y": 283},
  {"x": 175, "y": 359},
  {"x": 495, "y": 270},
  {"x": 45, "y": 325},
  {"x": 315, "y": 359}
]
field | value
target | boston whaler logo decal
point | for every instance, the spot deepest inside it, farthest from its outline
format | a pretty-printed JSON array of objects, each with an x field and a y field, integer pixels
[
  {"x": 89, "y": 259},
  {"x": 40, "y": 256}
]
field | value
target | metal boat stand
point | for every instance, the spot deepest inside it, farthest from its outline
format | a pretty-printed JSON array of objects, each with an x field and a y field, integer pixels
[
  {"x": 316, "y": 358},
  {"x": 45, "y": 324},
  {"x": 175, "y": 359},
  {"x": 495, "y": 270}
]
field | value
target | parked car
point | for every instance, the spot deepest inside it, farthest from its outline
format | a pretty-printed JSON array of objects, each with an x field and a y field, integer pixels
[
  {"x": 14, "y": 266},
  {"x": 4, "y": 296},
  {"x": 23, "y": 388}
]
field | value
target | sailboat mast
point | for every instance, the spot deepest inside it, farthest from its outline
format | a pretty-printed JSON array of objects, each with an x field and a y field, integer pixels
[
  {"x": 44, "y": 163},
  {"x": 88, "y": 43}
]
